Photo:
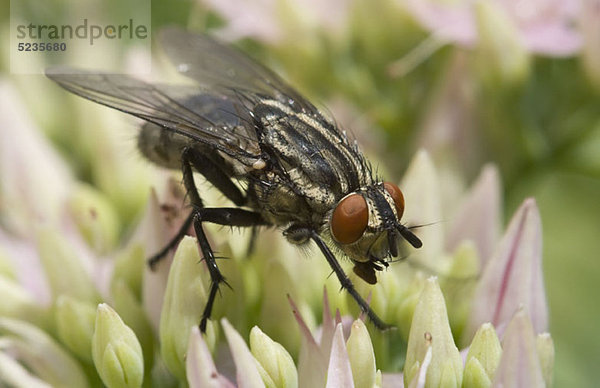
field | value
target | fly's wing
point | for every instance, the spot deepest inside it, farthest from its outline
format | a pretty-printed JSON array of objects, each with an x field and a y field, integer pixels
[
  {"x": 215, "y": 65},
  {"x": 219, "y": 120},
  {"x": 314, "y": 145}
]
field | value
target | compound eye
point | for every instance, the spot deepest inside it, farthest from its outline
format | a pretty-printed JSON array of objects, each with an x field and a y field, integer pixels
[
  {"x": 397, "y": 196},
  {"x": 349, "y": 219}
]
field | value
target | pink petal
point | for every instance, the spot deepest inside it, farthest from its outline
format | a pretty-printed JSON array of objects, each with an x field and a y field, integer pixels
[
  {"x": 160, "y": 222},
  {"x": 256, "y": 19},
  {"x": 513, "y": 277},
  {"x": 420, "y": 381},
  {"x": 247, "y": 374},
  {"x": 451, "y": 22},
  {"x": 519, "y": 365},
  {"x": 392, "y": 380},
  {"x": 312, "y": 362},
  {"x": 26, "y": 262},
  {"x": 555, "y": 40},
  {"x": 548, "y": 26},
  {"x": 162, "y": 217},
  {"x": 545, "y": 27},
  {"x": 267, "y": 21},
  {"x": 35, "y": 180},
  {"x": 200, "y": 367},
  {"x": 478, "y": 216},
  {"x": 150, "y": 233},
  {"x": 304, "y": 330},
  {"x": 32, "y": 170},
  {"x": 328, "y": 325},
  {"x": 339, "y": 373},
  {"x": 101, "y": 269}
]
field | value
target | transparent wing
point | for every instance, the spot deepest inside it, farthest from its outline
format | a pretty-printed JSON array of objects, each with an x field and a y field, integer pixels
[
  {"x": 217, "y": 119},
  {"x": 215, "y": 65}
]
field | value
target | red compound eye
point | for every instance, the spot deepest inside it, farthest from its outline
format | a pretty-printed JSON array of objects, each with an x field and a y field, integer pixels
[
  {"x": 397, "y": 195},
  {"x": 349, "y": 219}
]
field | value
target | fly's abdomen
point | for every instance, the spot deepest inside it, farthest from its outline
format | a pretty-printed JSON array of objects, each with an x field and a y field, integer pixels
[{"x": 161, "y": 146}]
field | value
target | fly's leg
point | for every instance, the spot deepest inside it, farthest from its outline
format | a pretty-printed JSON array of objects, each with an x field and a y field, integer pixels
[
  {"x": 216, "y": 175},
  {"x": 214, "y": 171},
  {"x": 221, "y": 216},
  {"x": 251, "y": 242},
  {"x": 343, "y": 278},
  {"x": 157, "y": 257}
]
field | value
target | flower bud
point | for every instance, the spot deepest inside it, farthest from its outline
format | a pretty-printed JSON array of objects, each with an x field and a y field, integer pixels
[
  {"x": 126, "y": 188},
  {"x": 379, "y": 380},
  {"x": 95, "y": 218},
  {"x": 545, "y": 350},
  {"x": 483, "y": 357},
  {"x": 274, "y": 318},
  {"x": 64, "y": 270},
  {"x": 35, "y": 180},
  {"x": 278, "y": 369},
  {"x": 362, "y": 358},
  {"x": 7, "y": 269},
  {"x": 513, "y": 276},
  {"x": 41, "y": 355},
  {"x": 430, "y": 328},
  {"x": 519, "y": 365},
  {"x": 590, "y": 28},
  {"x": 421, "y": 188},
  {"x": 75, "y": 325},
  {"x": 475, "y": 375},
  {"x": 184, "y": 302},
  {"x": 129, "y": 268},
  {"x": 18, "y": 303},
  {"x": 478, "y": 215},
  {"x": 116, "y": 351},
  {"x": 13, "y": 374},
  {"x": 339, "y": 372},
  {"x": 502, "y": 56},
  {"x": 132, "y": 313}
]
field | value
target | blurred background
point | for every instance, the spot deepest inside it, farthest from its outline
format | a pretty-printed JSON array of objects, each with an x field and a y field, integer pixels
[{"x": 514, "y": 83}]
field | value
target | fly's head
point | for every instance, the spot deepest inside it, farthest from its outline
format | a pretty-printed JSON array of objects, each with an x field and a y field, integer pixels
[{"x": 366, "y": 226}]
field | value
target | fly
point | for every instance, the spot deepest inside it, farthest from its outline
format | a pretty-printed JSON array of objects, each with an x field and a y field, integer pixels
[{"x": 242, "y": 123}]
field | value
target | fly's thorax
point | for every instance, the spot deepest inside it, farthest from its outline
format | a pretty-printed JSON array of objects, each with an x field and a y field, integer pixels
[
  {"x": 364, "y": 224},
  {"x": 308, "y": 151}
]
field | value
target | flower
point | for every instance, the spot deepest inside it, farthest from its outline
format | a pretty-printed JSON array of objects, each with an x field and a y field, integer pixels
[
  {"x": 279, "y": 19},
  {"x": 544, "y": 27},
  {"x": 341, "y": 351}
]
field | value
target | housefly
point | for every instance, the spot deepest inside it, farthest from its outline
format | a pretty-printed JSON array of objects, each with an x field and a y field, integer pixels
[{"x": 266, "y": 148}]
